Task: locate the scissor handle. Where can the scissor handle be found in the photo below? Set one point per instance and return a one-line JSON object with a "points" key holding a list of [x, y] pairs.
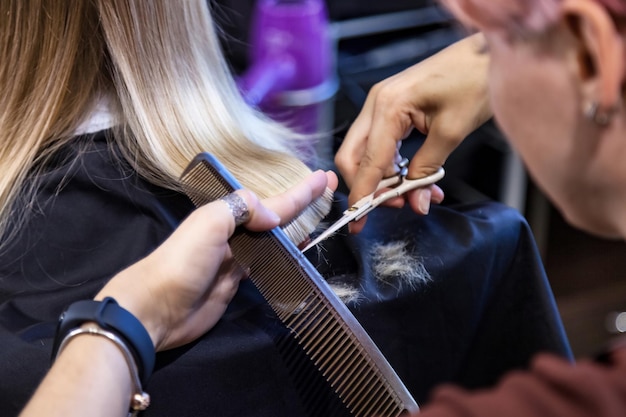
{"points": [[404, 186], [362, 207], [397, 178]]}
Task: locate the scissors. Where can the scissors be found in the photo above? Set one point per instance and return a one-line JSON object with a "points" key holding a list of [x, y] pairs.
{"points": [[398, 185]]}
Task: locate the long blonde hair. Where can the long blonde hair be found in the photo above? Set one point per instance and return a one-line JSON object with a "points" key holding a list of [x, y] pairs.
{"points": [[160, 65]]}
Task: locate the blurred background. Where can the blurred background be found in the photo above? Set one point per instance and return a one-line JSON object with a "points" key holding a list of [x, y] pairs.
{"points": [[312, 62]]}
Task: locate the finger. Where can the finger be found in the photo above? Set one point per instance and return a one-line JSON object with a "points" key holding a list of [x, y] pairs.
{"points": [[437, 195], [350, 153], [443, 137], [357, 226], [332, 179], [395, 202], [291, 203], [261, 218], [421, 199], [273, 211], [389, 125], [222, 216], [398, 202], [227, 283], [208, 308]]}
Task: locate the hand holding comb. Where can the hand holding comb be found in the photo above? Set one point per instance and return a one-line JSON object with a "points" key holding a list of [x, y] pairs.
{"points": [[325, 329]]}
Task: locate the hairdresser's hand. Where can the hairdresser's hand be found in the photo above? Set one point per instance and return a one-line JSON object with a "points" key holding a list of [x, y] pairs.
{"points": [[182, 289], [444, 97]]}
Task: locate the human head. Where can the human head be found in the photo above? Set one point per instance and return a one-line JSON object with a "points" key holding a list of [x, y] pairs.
{"points": [[552, 63]]}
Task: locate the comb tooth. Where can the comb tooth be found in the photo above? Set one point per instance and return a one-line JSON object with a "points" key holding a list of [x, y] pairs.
{"points": [[334, 352], [324, 342], [362, 392], [290, 297], [391, 409], [371, 401], [321, 325], [359, 386], [308, 304], [303, 321], [338, 361], [284, 291], [371, 395], [356, 380], [315, 393], [318, 341], [345, 383], [316, 345]]}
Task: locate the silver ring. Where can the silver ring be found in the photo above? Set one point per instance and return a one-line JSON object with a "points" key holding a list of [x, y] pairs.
{"points": [[238, 208]]}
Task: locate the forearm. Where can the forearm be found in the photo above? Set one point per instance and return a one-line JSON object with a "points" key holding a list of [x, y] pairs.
{"points": [[89, 377]]}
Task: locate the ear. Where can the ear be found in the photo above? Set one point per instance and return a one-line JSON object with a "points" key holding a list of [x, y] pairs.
{"points": [[601, 54]]}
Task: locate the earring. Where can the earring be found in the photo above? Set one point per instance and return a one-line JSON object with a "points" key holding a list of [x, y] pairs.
{"points": [[599, 116]]}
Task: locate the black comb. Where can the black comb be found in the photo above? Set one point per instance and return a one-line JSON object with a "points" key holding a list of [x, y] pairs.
{"points": [[323, 326]]}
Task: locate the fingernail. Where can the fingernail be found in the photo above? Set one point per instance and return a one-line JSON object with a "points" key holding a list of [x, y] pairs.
{"points": [[424, 201], [275, 217], [271, 215]]}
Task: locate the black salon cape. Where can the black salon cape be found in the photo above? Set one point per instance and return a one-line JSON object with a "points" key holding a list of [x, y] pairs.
{"points": [[487, 309]]}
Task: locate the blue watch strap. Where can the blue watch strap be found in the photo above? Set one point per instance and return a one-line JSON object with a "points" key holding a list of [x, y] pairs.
{"points": [[109, 315]]}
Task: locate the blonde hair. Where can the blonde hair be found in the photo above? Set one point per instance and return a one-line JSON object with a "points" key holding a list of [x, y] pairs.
{"points": [[395, 265], [159, 62]]}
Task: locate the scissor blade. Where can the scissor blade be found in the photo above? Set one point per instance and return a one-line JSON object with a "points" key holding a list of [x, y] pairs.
{"points": [[399, 185], [330, 231]]}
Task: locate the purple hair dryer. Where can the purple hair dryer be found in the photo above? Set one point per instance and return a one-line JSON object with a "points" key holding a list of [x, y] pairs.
{"points": [[291, 72]]}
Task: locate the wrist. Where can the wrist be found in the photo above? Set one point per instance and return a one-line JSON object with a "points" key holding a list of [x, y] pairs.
{"points": [[110, 317], [139, 400], [124, 291]]}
